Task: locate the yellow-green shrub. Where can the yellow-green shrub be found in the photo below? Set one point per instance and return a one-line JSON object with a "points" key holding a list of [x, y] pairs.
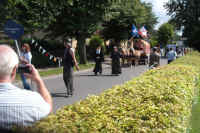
{"points": [[159, 101]]}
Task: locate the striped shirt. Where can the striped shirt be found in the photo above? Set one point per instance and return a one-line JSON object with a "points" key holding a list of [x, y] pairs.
{"points": [[20, 107]]}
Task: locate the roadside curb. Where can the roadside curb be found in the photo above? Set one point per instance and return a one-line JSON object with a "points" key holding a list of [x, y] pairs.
{"points": [[60, 75]]}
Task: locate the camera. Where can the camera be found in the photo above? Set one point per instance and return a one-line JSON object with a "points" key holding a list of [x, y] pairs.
{"points": [[23, 69]]}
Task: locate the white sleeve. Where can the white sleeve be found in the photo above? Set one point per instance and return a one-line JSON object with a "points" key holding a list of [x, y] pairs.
{"points": [[29, 57], [43, 108]]}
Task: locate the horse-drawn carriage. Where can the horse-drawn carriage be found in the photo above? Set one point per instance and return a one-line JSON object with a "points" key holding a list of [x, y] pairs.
{"points": [[136, 53]]}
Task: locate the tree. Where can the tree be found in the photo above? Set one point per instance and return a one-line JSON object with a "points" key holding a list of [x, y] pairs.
{"points": [[186, 15], [79, 19], [165, 34], [32, 14], [154, 41], [60, 18], [122, 15]]}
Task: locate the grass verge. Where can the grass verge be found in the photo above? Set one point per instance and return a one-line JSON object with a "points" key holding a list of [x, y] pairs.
{"points": [[59, 70], [195, 118]]}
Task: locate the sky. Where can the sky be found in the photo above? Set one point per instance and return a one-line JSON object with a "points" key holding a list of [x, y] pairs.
{"points": [[159, 11]]}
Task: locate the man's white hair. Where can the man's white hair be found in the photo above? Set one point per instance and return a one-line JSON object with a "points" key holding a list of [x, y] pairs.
{"points": [[8, 60]]}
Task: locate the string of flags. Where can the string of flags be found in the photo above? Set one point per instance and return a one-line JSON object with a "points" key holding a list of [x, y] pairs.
{"points": [[45, 52]]}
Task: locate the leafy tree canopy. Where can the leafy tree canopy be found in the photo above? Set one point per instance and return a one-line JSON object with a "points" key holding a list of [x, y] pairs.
{"points": [[186, 15], [165, 34], [121, 16]]}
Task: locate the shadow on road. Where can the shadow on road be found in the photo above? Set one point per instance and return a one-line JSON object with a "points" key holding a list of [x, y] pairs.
{"points": [[99, 75], [58, 94]]}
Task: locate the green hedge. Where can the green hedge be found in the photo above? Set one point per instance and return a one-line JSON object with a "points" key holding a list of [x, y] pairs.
{"points": [[159, 101]]}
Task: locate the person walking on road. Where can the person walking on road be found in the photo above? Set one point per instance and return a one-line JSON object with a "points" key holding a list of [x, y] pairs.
{"points": [[115, 56], [25, 58], [171, 55], [68, 63], [154, 58], [99, 58]]}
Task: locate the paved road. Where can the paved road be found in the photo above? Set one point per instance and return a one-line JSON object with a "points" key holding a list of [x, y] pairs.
{"points": [[85, 83]]}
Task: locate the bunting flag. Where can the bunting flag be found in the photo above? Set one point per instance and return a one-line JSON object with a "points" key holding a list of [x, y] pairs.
{"points": [[134, 31], [45, 53], [143, 32], [40, 48], [36, 44], [51, 57], [33, 41]]}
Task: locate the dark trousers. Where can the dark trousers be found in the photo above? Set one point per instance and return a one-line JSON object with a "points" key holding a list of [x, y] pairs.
{"points": [[98, 67], [169, 61], [68, 79], [25, 83]]}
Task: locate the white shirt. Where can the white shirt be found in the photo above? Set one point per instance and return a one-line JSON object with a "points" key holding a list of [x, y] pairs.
{"points": [[20, 107], [27, 56]]}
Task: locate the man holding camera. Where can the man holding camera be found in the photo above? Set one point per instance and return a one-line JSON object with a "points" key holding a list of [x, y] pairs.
{"points": [[19, 107]]}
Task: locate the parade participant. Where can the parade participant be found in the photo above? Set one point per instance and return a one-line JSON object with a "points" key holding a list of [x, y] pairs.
{"points": [[19, 107], [98, 58], [69, 62], [25, 58], [171, 55], [154, 60], [145, 46], [116, 67]]}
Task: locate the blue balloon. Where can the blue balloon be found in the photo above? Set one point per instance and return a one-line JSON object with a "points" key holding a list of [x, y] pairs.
{"points": [[13, 30]]}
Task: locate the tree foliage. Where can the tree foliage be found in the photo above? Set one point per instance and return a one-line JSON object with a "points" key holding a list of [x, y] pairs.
{"points": [[121, 16], [186, 14], [32, 14], [165, 34], [79, 18], [60, 18]]}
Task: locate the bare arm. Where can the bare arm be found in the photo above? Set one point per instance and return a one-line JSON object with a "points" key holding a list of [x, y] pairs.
{"points": [[34, 75], [23, 60]]}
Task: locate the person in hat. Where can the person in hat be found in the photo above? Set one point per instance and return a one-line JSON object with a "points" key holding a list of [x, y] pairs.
{"points": [[115, 56], [69, 62]]}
